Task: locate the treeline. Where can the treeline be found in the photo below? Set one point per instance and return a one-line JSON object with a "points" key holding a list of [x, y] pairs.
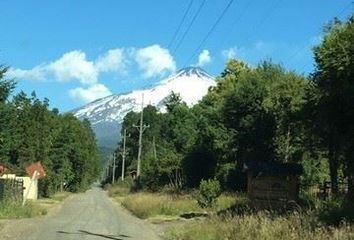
{"points": [[262, 113], [30, 132]]}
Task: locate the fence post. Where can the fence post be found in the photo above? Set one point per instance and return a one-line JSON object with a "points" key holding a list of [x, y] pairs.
{"points": [[324, 190]]}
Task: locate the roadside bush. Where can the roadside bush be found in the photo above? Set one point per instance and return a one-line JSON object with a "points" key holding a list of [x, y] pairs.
{"points": [[209, 191], [336, 211]]}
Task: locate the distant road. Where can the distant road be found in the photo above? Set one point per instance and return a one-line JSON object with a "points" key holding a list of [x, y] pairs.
{"points": [[90, 215]]}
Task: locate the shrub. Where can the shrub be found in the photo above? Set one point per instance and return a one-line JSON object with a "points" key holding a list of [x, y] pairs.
{"points": [[209, 191], [336, 211]]}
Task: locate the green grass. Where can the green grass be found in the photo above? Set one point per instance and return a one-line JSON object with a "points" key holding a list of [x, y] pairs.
{"points": [[119, 189], [60, 196], [40, 207], [149, 205], [234, 220], [262, 226], [11, 210]]}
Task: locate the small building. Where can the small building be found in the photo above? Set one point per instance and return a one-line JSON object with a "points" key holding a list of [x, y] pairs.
{"points": [[272, 184]]}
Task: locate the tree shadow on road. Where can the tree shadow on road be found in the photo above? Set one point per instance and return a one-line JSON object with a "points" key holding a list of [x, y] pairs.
{"points": [[84, 232]]}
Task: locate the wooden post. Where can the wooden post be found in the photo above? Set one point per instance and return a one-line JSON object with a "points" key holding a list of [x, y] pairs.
{"points": [[114, 168], [33, 178], [141, 128], [123, 156]]}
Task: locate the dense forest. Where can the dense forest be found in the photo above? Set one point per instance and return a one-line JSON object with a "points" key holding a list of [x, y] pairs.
{"points": [[31, 132], [256, 113]]}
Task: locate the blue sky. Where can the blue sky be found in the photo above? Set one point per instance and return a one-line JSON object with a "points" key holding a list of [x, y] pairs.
{"points": [[75, 51]]}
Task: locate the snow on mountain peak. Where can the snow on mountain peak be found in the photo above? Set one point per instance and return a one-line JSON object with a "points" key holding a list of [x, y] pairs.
{"points": [[192, 83]]}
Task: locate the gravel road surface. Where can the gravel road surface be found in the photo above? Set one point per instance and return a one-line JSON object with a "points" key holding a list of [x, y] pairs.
{"points": [[90, 215]]}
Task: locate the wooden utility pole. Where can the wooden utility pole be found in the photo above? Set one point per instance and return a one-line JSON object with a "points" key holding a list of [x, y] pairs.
{"points": [[141, 128], [124, 153], [154, 148], [114, 168]]}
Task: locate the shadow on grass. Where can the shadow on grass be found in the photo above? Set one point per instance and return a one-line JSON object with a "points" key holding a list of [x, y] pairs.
{"points": [[83, 232], [336, 212], [276, 209], [193, 215]]}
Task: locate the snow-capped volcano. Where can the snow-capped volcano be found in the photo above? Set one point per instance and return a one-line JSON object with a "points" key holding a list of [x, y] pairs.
{"points": [[191, 83]]}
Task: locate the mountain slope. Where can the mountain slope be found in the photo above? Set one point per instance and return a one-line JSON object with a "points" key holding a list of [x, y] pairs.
{"points": [[106, 114]]}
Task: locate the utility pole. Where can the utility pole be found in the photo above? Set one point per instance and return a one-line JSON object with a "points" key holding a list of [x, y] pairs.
{"points": [[142, 128], [124, 153], [154, 148], [107, 171], [114, 168]]}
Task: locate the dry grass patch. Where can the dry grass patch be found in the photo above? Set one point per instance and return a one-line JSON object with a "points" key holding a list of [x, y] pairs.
{"points": [[263, 226], [145, 205], [152, 205]]}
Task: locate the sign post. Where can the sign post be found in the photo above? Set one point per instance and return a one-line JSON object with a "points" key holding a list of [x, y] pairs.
{"points": [[33, 178], [35, 171]]}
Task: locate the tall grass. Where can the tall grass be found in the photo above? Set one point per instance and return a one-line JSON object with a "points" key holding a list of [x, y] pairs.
{"points": [[146, 205], [265, 226], [10, 210], [60, 196], [120, 188]]}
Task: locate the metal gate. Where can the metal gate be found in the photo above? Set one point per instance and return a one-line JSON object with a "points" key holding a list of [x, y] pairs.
{"points": [[11, 189]]}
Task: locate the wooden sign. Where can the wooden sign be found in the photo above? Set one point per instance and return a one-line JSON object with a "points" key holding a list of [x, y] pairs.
{"points": [[35, 168]]}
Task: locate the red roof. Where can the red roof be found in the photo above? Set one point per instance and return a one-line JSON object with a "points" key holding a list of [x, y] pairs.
{"points": [[3, 169], [30, 169]]}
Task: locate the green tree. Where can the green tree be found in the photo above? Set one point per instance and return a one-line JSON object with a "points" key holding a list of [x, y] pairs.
{"points": [[333, 78], [6, 85]]}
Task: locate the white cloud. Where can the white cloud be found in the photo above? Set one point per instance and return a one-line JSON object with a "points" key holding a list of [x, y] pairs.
{"points": [[154, 61], [113, 61], [89, 94], [37, 73], [74, 66], [204, 58], [234, 52]]}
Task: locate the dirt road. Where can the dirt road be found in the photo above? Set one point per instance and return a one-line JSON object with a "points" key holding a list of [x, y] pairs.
{"points": [[90, 215]]}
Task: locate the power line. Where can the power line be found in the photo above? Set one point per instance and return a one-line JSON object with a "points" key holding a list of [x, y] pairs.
{"points": [[232, 28], [306, 45], [309, 41], [211, 30], [189, 26], [264, 19], [180, 24]]}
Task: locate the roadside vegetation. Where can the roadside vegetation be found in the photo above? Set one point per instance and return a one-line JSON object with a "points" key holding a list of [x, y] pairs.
{"points": [[11, 210], [263, 225], [167, 205], [253, 114], [40, 207], [30, 131]]}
